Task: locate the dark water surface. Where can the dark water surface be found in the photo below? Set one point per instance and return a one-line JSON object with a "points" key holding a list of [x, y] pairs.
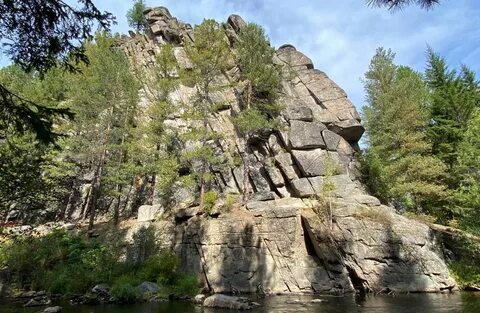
{"points": [[422, 303]]}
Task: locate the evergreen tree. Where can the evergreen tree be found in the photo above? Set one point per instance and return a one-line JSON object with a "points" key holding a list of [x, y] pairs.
{"points": [[135, 16], [399, 4], [56, 39], [24, 181], [104, 98], [467, 195], [156, 144], [261, 79], [399, 162], [210, 56], [453, 99]]}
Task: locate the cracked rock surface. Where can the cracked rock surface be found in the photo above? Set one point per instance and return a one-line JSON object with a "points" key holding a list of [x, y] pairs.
{"points": [[284, 240]]}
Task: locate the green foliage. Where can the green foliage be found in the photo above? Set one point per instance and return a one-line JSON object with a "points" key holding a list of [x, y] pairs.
{"points": [[210, 56], [56, 40], [211, 198], [400, 4], [465, 273], [421, 217], [467, 194], [230, 201], [261, 83], [186, 284], [124, 288], [454, 98], [65, 263], [135, 17], [465, 267], [144, 245], [399, 166], [162, 268], [251, 121], [255, 58], [61, 262]]}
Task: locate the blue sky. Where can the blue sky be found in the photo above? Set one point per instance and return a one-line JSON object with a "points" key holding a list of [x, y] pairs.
{"points": [[341, 36]]}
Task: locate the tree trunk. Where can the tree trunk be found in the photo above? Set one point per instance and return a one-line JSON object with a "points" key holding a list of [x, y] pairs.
{"points": [[67, 208], [116, 211], [87, 201], [96, 183], [246, 173], [202, 193]]}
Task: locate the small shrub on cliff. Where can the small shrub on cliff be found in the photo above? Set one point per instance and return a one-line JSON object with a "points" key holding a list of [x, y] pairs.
{"points": [[230, 201], [210, 200], [374, 214]]}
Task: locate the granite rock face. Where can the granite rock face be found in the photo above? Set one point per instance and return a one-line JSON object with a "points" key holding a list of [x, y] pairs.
{"points": [[311, 226]]}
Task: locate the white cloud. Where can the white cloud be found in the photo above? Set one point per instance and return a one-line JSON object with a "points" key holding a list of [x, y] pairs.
{"points": [[341, 36]]}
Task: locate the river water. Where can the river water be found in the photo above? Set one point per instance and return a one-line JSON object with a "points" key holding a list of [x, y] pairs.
{"points": [[412, 303]]}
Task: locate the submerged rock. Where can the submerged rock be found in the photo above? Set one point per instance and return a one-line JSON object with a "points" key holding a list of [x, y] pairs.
{"points": [[53, 309], [227, 302]]}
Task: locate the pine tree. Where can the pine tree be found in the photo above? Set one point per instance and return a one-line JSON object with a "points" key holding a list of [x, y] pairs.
{"points": [[156, 144], [467, 195], [104, 98], [24, 181], [399, 162], [56, 40], [210, 56], [453, 99], [261, 79], [135, 16], [400, 4]]}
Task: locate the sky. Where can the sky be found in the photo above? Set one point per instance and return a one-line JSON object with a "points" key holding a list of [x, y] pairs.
{"points": [[341, 36]]}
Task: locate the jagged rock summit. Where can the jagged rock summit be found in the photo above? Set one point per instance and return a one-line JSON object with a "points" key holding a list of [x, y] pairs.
{"points": [[285, 239]]}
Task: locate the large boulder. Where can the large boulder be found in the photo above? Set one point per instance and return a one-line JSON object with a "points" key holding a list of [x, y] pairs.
{"points": [[298, 112], [302, 188], [351, 130], [331, 140], [227, 302], [306, 135], [289, 55], [286, 165], [147, 288], [101, 289], [236, 22], [381, 251], [310, 162]]}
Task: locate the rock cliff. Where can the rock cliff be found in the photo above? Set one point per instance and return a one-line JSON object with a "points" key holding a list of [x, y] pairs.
{"points": [[294, 235]]}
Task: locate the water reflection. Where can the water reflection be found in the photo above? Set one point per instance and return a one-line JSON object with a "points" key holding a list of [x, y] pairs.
{"points": [[423, 303]]}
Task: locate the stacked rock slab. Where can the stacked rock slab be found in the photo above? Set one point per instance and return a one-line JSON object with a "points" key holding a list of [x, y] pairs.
{"points": [[279, 242]]}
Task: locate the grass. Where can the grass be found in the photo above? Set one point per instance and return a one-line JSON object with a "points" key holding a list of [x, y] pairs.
{"points": [[374, 214], [421, 217]]}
